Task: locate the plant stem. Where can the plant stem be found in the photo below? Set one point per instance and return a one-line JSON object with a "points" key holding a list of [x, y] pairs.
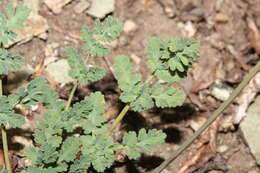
{"points": [[4, 138], [124, 111], [118, 119], [72, 92], [211, 119]]}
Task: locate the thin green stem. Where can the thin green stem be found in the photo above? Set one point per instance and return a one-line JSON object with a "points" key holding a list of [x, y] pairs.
{"points": [[210, 120], [4, 138], [123, 112], [72, 92], [118, 119]]}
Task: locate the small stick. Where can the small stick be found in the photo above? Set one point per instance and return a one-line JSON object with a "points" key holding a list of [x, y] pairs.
{"points": [[210, 120]]}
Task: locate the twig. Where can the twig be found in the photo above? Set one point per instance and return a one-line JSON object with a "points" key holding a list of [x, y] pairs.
{"points": [[211, 119], [75, 85], [118, 119]]}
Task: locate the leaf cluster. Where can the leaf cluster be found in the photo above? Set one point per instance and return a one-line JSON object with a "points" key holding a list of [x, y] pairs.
{"points": [[80, 71], [10, 20], [9, 62], [88, 146], [140, 95], [96, 41], [102, 34], [169, 59], [144, 141], [25, 97]]}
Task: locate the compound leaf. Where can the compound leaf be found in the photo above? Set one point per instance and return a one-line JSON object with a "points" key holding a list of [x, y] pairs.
{"points": [[108, 30], [7, 114], [169, 59], [146, 141], [9, 61], [80, 165], [100, 150], [79, 70], [12, 19], [168, 97], [69, 149], [87, 114], [103, 33]]}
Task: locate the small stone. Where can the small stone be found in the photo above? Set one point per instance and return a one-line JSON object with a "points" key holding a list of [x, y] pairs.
{"points": [[129, 26], [221, 90], [250, 128], [51, 49], [49, 60], [135, 58], [100, 8], [197, 123], [220, 17], [215, 171], [81, 6], [222, 148], [56, 5], [59, 71]]}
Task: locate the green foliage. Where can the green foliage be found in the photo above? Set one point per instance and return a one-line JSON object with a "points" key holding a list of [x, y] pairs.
{"points": [[169, 59], [138, 94], [11, 19], [73, 139], [103, 33], [134, 143], [79, 70], [36, 92], [1, 167], [8, 115], [167, 97], [100, 150], [9, 61], [87, 114]]}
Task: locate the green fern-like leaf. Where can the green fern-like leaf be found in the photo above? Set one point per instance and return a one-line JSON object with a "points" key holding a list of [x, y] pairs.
{"points": [[100, 150], [7, 114], [79, 70], [145, 141], [48, 130], [9, 62], [108, 30], [103, 33], [80, 165], [135, 93], [39, 91], [69, 149], [169, 59], [168, 97], [87, 114], [12, 19]]}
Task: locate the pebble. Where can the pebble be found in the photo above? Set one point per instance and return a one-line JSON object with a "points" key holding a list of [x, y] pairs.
{"points": [[81, 6], [222, 148], [220, 90], [220, 17], [101, 8], [129, 26], [215, 171], [59, 71], [250, 128], [197, 123], [56, 5]]}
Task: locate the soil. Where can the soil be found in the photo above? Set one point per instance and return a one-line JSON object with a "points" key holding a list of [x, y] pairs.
{"points": [[226, 55]]}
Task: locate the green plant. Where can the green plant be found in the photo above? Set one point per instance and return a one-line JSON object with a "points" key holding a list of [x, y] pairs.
{"points": [[72, 138], [10, 20]]}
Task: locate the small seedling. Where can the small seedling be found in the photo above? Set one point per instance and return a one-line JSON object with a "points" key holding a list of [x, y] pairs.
{"points": [[73, 138]]}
